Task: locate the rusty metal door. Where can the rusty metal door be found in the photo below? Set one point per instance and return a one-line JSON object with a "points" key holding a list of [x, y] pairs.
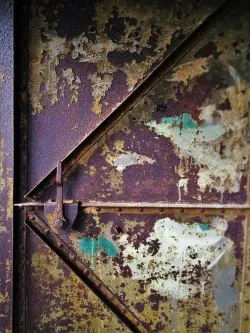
{"points": [[133, 167]]}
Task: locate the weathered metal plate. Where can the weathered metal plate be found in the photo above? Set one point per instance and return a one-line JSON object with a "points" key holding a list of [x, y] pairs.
{"points": [[85, 58], [177, 271], [6, 163], [58, 301], [186, 140]]}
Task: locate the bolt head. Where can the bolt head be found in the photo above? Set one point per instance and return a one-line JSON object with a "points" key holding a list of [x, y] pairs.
{"points": [[60, 224]]}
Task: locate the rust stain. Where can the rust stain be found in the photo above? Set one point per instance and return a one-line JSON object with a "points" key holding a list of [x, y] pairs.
{"points": [[2, 77], [9, 209], [85, 312], [2, 181], [122, 38], [100, 85], [210, 301], [189, 70]]}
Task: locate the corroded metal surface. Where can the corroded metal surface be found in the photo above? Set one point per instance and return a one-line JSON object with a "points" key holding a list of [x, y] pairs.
{"points": [[177, 272], [6, 163], [86, 58], [181, 143], [71, 307], [82, 270], [186, 140]]}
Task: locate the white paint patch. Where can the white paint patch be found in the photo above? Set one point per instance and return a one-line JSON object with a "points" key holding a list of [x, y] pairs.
{"points": [[203, 143], [183, 185], [122, 161], [184, 251]]}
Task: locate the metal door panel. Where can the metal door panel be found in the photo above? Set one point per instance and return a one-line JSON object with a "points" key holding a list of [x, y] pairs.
{"points": [[6, 163], [185, 141], [161, 186], [58, 301], [176, 269], [86, 58]]}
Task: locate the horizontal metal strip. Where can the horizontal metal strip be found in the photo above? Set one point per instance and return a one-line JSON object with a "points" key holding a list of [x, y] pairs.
{"points": [[150, 208], [138, 205]]}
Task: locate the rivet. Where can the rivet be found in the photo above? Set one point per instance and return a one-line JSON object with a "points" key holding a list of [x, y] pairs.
{"points": [[141, 209], [33, 218], [86, 271], [247, 301], [119, 209], [46, 232], [98, 209], [222, 210], [203, 210], [247, 283], [60, 245], [73, 258], [124, 310], [161, 209], [60, 224], [248, 266], [182, 210], [246, 318]]}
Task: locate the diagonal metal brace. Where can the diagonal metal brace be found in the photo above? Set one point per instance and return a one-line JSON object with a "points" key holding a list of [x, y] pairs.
{"points": [[88, 276]]}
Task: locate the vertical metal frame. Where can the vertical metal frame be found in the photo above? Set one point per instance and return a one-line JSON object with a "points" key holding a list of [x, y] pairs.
{"points": [[6, 162], [20, 163]]}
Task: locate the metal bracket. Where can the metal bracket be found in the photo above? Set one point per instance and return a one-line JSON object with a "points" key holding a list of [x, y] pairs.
{"points": [[62, 216]]}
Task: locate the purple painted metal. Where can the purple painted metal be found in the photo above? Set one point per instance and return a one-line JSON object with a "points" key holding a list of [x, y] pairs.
{"points": [[6, 163], [81, 71], [175, 145], [159, 269]]}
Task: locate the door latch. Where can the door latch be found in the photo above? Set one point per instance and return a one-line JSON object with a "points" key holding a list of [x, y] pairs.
{"points": [[61, 216], [60, 222]]}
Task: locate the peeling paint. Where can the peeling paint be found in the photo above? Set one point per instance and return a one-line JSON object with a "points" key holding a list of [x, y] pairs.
{"points": [[100, 85], [54, 284], [189, 70], [2, 180], [2, 77], [92, 246], [225, 294], [184, 256], [202, 142], [73, 82], [124, 160]]}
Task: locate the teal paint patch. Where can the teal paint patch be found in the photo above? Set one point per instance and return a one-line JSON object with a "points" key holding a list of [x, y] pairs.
{"points": [[92, 246], [184, 132], [184, 119], [204, 227], [88, 246]]}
